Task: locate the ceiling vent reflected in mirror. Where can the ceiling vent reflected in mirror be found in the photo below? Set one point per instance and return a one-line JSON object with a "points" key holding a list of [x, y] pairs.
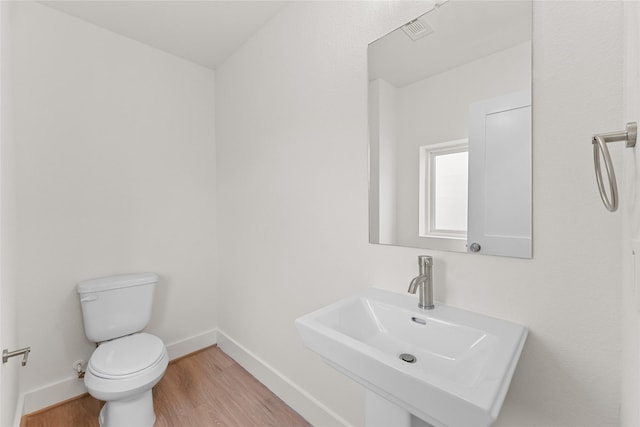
{"points": [[418, 28]]}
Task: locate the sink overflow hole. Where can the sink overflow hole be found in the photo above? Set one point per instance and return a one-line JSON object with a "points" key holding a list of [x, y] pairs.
{"points": [[409, 358], [419, 320]]}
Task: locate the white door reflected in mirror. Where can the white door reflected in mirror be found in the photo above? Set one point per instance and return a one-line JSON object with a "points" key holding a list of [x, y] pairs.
{"points": [[500, 175]]}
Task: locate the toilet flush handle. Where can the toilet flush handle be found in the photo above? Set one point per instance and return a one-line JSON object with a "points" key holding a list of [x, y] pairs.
{"points": [[88, 298]]}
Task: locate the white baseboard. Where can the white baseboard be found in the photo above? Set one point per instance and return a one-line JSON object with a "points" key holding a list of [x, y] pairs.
{"points": [[191, 344], [71, 387], [51, 394], [293, 395]]}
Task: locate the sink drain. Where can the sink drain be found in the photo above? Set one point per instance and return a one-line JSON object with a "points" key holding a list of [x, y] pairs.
{"points": [[409, 358]]}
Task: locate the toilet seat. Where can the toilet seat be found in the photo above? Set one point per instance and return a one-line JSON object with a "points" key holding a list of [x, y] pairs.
{"points": [[126, 357]]}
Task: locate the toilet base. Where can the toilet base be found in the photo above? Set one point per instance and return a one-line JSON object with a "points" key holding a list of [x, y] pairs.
{"points": [[137, 411]]}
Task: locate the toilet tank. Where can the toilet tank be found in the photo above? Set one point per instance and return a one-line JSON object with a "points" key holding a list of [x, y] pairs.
{"points": [[116, 306]]}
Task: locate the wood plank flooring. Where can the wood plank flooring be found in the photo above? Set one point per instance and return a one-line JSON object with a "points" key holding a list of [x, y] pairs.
{"points": [[206, 388]]}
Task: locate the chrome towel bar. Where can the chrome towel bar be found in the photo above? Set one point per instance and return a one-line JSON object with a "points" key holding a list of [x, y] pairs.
{"points": [[599, 141]]}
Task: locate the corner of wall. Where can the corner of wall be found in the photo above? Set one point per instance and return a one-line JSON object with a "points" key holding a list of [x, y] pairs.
{"points": [[292, 394]]}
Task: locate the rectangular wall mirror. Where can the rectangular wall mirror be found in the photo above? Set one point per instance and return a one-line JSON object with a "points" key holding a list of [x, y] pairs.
{"points": [[450, 130]]}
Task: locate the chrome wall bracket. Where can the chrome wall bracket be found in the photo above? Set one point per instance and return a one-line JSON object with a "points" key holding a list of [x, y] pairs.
{"points": [[600, 141], [24, 352]]}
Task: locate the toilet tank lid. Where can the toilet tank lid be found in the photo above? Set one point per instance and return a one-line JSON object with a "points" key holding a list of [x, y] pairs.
{"points": [[115, 282]]}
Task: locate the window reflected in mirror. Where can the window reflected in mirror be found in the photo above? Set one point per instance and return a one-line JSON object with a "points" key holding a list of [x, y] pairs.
{"points": [[443, 189]]}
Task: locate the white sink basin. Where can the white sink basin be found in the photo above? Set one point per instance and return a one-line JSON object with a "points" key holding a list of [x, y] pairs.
{"points": [[464, 364]]}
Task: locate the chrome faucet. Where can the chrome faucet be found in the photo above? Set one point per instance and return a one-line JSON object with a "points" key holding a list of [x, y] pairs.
{"points": [[424, 282]]}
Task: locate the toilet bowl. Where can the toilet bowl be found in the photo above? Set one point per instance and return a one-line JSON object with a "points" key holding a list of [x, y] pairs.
{"points": [[127, 363], [122, 373]]}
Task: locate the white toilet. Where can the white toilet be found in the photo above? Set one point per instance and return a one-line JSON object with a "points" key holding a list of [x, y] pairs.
{"points": [[127, 362]]}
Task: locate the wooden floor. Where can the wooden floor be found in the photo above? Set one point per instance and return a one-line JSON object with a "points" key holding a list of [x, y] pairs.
{"points": [[206, 388]]}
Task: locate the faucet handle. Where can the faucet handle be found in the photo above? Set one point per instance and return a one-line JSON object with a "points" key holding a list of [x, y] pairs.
{"points": [[424, 263], [425, 258]]}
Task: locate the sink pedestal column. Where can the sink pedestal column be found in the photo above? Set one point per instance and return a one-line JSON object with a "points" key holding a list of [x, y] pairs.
{"points": [[382, 413]]}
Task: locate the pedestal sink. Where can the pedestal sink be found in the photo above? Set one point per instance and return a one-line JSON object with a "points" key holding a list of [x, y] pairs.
{"points": [[446, 366]]}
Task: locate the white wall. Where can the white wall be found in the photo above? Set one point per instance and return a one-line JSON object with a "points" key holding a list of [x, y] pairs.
{"points": [[291, 132], [629, 213], [436, 109], [8, 315], [382, 161], [115, 173]]}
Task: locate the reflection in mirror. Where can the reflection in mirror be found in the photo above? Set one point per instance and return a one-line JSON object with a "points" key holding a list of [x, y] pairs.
{"points": [[443, 189], [450, 130]]}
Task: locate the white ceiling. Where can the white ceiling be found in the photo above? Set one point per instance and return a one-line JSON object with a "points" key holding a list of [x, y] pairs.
{"points": [[204, 31], [207, 32], [464, 31]]}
